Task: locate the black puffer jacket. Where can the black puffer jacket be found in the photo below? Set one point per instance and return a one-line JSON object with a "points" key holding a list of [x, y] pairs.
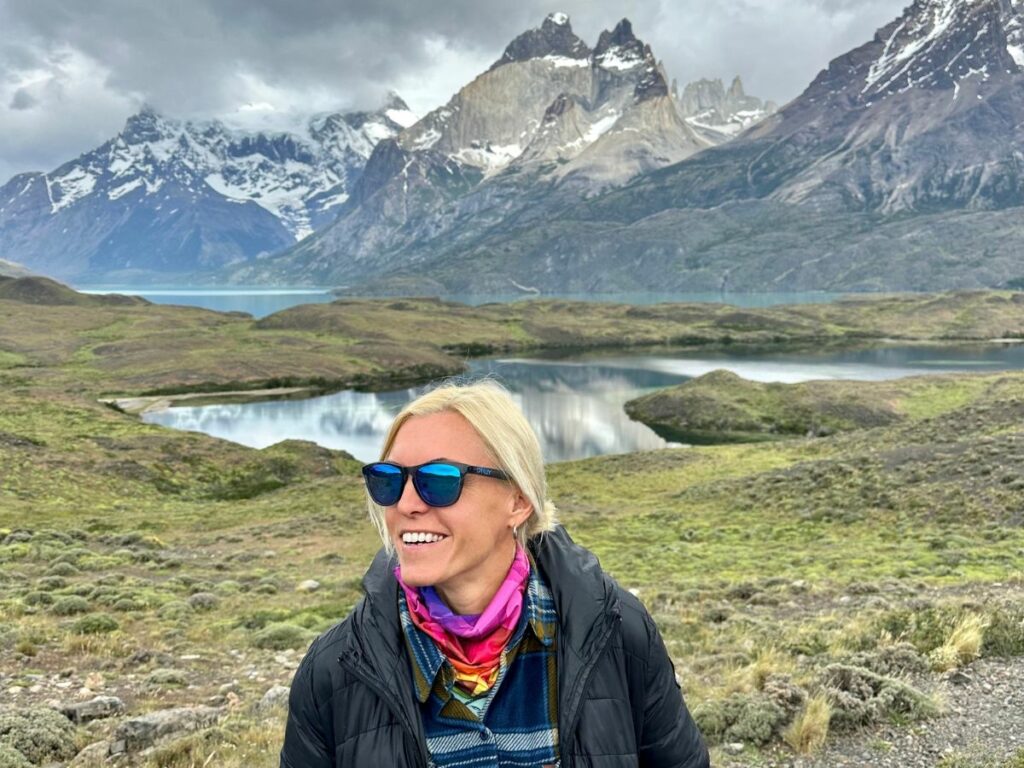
{"points": [[352, 702]]}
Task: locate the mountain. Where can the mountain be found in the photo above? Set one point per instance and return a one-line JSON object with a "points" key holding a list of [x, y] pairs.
{"points": [[166, 197], [900, 167], [718, 114], [550, 122]]}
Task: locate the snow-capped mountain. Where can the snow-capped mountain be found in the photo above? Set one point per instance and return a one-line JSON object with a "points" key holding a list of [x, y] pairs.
{"points": [[900, 167], [170, 196], [717, 114], [551, 120]]}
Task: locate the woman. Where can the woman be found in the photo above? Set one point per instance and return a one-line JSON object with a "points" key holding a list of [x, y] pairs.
{"points": [[486, 636]]}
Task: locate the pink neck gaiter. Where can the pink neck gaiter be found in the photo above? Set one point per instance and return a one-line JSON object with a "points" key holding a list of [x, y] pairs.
{"points": [[473, 644]]}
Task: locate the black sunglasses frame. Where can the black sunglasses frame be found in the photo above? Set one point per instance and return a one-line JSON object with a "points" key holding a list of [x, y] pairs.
{"points": [[413, 471]]}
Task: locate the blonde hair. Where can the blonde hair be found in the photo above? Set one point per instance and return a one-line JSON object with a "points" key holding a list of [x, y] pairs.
{"points": [[507, 435]]}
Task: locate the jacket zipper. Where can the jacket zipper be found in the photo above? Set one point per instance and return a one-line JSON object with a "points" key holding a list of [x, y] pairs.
{"points": [[382, 694], [600, 643]]}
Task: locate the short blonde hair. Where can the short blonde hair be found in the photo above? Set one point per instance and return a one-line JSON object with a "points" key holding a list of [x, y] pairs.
{"points": [[507, 435]]}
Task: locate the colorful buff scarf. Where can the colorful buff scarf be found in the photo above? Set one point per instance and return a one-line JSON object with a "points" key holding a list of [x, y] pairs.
{"points": [[472, 644]]}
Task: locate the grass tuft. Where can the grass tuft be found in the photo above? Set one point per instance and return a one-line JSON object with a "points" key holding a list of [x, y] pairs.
{"points": [[808, 731]]}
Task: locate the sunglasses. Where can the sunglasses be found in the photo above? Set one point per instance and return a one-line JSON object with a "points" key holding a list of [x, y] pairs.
{"points": [[438, 483]]}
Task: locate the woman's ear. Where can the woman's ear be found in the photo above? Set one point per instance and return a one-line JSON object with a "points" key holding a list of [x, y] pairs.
{"points": [[521, 509]]}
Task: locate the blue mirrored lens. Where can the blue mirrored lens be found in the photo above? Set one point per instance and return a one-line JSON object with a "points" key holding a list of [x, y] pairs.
{"points": [[384, 483], [438, 484]]}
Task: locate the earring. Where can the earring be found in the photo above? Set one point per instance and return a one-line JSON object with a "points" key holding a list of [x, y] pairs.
{"points": [[515, 531]]}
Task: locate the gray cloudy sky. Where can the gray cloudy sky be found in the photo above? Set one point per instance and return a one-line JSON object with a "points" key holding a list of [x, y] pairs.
{"points": [[72, 71]]}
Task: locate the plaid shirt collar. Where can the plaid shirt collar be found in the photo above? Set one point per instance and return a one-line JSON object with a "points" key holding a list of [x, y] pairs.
{"points": [[428, 661]]}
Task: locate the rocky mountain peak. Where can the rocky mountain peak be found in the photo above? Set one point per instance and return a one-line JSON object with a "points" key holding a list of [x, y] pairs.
{"points": [[144, 126], [621, 36], [553, 38], [394, 101], [619, 50], [934, 44], [736, 89]]}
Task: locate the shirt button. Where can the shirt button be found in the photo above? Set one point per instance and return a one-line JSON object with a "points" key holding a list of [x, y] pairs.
{"points": [[484, 735]]}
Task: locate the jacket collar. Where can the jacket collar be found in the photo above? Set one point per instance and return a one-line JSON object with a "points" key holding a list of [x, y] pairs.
{"points": [[584, 596]]}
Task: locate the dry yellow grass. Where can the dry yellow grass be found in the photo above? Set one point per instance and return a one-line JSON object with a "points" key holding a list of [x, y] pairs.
{"points": [[767, 661], [963, 644], [808, 731]]}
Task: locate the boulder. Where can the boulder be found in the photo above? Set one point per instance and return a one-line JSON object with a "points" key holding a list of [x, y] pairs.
{"points": [[94, 709], [138, 733]]}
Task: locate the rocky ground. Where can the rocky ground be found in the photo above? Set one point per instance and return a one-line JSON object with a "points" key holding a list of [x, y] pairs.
{"points": [[982, 720]]}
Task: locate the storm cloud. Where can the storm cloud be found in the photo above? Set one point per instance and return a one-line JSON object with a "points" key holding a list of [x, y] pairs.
{"points": [[71, 72]]}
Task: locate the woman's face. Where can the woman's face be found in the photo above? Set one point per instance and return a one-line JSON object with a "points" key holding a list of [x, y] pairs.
{"points": [[471, 560]]}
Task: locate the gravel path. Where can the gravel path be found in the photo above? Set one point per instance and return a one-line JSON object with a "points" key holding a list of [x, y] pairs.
{"points": [[984, 718]]}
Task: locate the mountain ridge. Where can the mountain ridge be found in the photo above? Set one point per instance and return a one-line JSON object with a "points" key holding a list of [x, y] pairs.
{"points": [[171, 196]]}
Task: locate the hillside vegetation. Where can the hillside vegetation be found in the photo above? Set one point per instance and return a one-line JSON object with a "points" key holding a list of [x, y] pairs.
{"points": [[170, 569]]}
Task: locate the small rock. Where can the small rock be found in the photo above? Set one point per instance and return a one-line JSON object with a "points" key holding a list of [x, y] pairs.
{"points": [[309, 585], [95, 709], [276, 697], [231, 687], [959, 677], [141, 656], [733, 748], [165, 677]]}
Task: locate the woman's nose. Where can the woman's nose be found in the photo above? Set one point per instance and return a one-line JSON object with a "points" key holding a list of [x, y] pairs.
{"points": [[410, 500]]}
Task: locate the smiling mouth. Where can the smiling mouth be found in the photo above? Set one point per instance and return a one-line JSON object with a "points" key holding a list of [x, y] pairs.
{"points": [[416, 540]]}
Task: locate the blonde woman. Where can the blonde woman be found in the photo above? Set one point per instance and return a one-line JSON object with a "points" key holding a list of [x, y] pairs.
{"points": [[486, 636]]}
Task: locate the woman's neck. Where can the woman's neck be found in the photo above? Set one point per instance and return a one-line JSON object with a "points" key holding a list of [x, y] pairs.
{"points": [[472, 596]]}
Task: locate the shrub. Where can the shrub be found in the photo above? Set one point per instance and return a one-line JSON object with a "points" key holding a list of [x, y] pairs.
{"points": [[894, 659], [204, 601], [753, 719], [69, 606], [1005, 634], [62, 569], [12, 758], [38, 598], [280, 636], [51, 583], [807, 733], [176, 610], [228, 587], [128, 605], [858, 697], [41, 734], [95, 624]]}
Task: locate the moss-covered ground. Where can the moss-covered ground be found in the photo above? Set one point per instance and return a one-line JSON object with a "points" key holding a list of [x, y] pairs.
{"points": [[127, 549]]}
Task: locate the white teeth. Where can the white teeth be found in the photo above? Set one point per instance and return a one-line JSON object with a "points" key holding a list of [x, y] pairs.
{"points": [[420, 537]]}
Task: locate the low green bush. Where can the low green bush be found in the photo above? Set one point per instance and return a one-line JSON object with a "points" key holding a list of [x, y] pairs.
{"points": [[70, 606], [280, 636], [95, 624]]}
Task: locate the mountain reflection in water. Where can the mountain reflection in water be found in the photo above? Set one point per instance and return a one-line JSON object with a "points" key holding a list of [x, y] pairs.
{"points": [[574, 405]]}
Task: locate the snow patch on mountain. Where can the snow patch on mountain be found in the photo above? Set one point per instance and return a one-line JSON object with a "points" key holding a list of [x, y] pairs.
{"points": [[620, 59], [916, 34], [67, 189]]}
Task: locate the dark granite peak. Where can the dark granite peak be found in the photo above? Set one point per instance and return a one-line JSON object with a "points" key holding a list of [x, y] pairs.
{"points": [[554, 37]]}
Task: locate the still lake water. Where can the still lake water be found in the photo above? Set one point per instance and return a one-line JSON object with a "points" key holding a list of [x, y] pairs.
{"points": [[260, 302], [574, 404]]}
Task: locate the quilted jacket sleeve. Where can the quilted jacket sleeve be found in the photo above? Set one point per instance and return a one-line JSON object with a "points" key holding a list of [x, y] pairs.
{"points": [[669, 738], [305, 744]]}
